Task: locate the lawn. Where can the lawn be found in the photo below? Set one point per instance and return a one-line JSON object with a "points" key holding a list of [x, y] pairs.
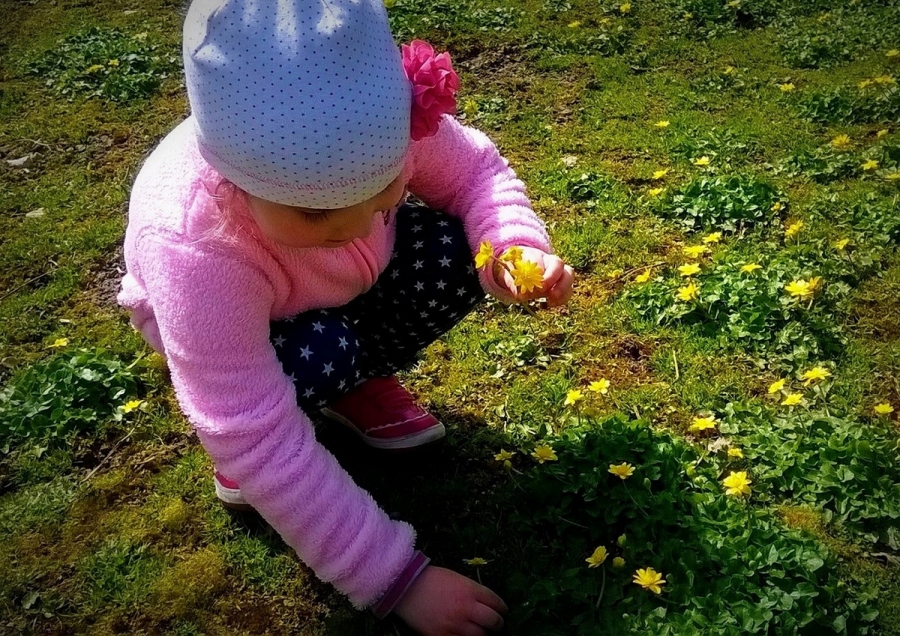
{"points": [[718, 402]]}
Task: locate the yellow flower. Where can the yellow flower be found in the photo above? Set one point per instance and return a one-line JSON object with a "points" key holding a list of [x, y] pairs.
{"points": [[883, 409], [659, 174], [662, 124], [884, 79], [544, 453], [113, 63], [504, 455], [776, 386], [703, 423], [484, 255], [512, 255], [729, 70], [749, 268], [622, 471], [60, 342], [787, 87], [814, 283], [841, 141], [864, 84], [131, 405], [618, 563], [695, 251], [893, 176], [575, 24], [600, 386], [793, 399], [841, 244], [94, 68], [643, 278], [881, 133], [871, 164], [734, 4], [476, 561], [625, 8], [892, 53], [688, 292], [793, 229], [689, 270], [737, 484], [816, 373], [736, 452], [799, 288], [655, 192], [573, 396], [527, 276], [649, 579], [597, 558], [702, 161], [687, 15], [776, 207], [715, 237]]}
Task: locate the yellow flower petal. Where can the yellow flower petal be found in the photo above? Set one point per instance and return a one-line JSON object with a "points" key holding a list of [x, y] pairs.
{"points": [[659, 174], [643, 278], [793, 399], [662, 124], [688, 292], [695, 251], [776, 386], [131, 405], [60, 342], [787, 87], [597, 558], [749, 268], [871, 164], [573, 396], [737, 484], [600, 386], [736, 453], [714, 237], [702, 161], [504, 455], [649, 579], [689, 270], [883, 409], [485, 254], [703, 423], [527, 276], [544, 453], [622, 471]]}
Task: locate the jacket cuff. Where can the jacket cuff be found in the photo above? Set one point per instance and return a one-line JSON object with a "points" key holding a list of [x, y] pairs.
{"points": [[398, 589]]}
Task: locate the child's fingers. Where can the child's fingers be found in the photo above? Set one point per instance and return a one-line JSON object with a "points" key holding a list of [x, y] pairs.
{"points": [[487, 617], [562, 291], [554, 269], [486, 596]]}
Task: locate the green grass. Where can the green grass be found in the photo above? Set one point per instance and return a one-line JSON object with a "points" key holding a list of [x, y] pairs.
{"points": [[117, 529]]}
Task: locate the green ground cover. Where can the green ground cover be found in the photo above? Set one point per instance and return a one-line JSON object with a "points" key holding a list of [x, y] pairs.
{"points": [[724, 176]]}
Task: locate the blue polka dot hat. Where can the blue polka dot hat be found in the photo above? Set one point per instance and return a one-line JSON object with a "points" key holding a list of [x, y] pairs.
{"points": [[299, 102]]}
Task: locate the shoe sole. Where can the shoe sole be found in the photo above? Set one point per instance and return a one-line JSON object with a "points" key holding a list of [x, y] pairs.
{"points": [[395, 443], [231, 498]]}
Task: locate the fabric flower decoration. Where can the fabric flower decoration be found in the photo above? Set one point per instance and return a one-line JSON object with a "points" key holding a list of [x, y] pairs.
{"points": [[434, 87]]}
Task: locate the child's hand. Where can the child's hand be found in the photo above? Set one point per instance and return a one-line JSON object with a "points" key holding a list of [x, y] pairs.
{"points": [[442, 602], [556, 285]]}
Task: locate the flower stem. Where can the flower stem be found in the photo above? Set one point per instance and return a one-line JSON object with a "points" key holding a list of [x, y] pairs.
{"points": [[646, 516], [602, 589]]}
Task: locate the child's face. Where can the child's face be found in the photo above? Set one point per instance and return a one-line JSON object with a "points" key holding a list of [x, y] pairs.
{"points": [[303, 227]]}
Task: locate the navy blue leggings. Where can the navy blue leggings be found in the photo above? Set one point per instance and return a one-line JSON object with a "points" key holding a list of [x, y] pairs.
{"points": [[429, 285]]}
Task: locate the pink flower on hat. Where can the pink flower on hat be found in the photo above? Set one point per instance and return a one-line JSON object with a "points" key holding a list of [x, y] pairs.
{"points": [[434, 87]]}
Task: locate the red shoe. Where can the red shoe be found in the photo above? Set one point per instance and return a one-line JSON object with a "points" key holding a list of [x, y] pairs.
{"points": [[385, 415], [229, 494]]}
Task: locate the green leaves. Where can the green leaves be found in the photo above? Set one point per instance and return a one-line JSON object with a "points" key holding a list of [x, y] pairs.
{"points": [[724, 203]]}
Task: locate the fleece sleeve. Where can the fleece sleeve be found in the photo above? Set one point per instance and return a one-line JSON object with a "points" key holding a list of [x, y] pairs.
{"points": [[213, 318], [460, 171]]}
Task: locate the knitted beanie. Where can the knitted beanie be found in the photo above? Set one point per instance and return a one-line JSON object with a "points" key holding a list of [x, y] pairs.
{"points": [[299, 102]]}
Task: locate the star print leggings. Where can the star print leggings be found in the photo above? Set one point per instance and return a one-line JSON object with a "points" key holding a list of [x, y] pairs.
{"points": [[429, 285]]}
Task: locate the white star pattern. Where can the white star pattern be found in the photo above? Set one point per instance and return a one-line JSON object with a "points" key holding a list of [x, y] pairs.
{"points": [[443, 223], [446, 239], [319, 327], [419, 264], [445, 262], [342, 385], [423, 314], [278, 340], [308, 393], [441, 284], [395, 273], [305, 352], [418, 245], [420, 286], [329, 369], [432, 303], [417, 228], [461, 291], [342, 343]]}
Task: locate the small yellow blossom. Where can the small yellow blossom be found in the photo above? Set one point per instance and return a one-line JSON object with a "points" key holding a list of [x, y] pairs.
{"points": [[625, 8], [655, 192], [659, 174], [601, 386], [737, 484], [864, 84], [871, 164], [131, 405], [777, 206], [824, 17], [776, 386], [814, 283], [504, 455], [649, 579], [703, 423], [689, 270], [799, 288], [60, 342], [883, 409], [892, 53], [113, 63], [618, 563], [734, 4], [622, 540], [512, 255], [695, 251], [714, 237], [573, 396], [702, 161], [884, 79], [749, 268], [893, 176], [787, 87], [527, 276], [470, 108], [688, 292], [575, 24], [814, 374], [881, 133], [662, 123], [841, 141], [687, 15], [643, 278], [94, 69], [792, 400], [544, 453], [597, 558], [622, 471], [793, 229], [484, 255], [841, 244], [476, 561], [737, 453]]}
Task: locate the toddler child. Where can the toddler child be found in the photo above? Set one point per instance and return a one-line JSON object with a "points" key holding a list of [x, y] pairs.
{"points": [[273, 260]]}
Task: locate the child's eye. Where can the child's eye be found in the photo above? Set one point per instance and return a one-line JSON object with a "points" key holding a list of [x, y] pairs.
{"points": [[316, 217]]}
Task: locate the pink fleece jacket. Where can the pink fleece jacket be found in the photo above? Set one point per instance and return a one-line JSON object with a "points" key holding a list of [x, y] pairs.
{"points": [[203, 290]]}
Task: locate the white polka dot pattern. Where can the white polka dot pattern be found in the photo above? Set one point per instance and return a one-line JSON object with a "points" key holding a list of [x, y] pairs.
{"points": [[301, 102]]}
